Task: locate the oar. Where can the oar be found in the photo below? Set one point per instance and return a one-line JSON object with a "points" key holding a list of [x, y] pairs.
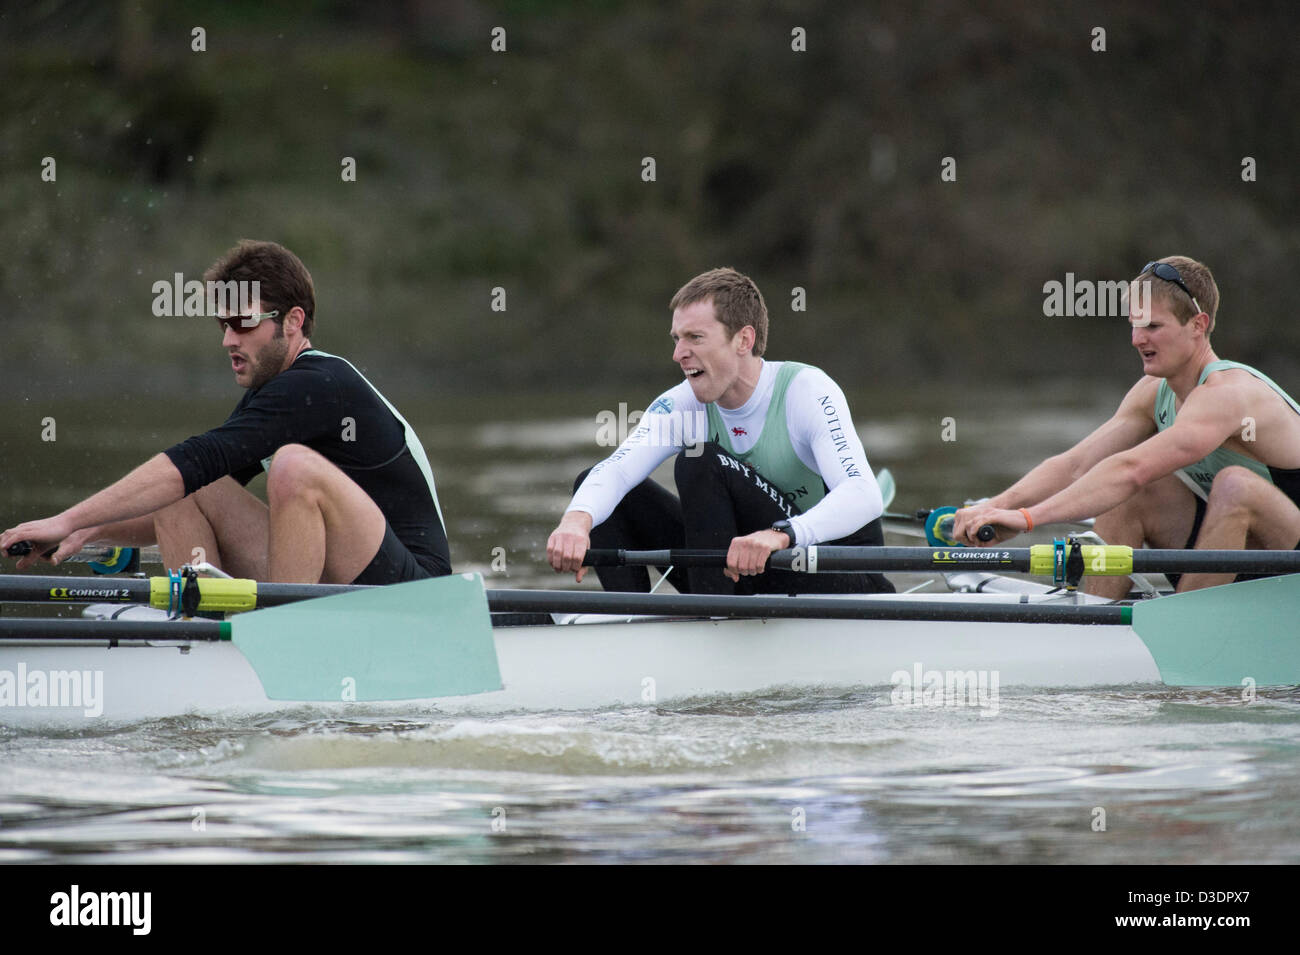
{"points": [[103, 559], [1225, 636], [1220, 636], [811, 608], [232, 596], [223, 595], [1100, 560], [420, 639], [938, 528], [217, 594], [935, 525], [888, 487], [416, 640]]}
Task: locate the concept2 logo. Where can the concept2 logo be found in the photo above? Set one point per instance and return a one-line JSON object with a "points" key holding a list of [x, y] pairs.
{"points": [[81, 593]]}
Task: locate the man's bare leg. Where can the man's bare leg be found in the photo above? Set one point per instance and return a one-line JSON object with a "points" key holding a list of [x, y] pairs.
{"points": [[324, 528], [1244, 510], [1161, 515], [221, 523]]}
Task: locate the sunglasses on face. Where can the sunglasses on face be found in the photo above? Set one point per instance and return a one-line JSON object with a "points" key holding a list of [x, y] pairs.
{"points": [[1163, 270], [244, 323]]}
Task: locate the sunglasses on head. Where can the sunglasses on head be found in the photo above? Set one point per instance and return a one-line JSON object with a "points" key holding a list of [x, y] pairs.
{"points": [[1163, 270], [244, 323]]}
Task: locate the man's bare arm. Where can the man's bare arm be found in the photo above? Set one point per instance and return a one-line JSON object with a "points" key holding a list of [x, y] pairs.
{"points": [[1208, 417], [1131, 424], [151, 486], [1203, 424], [135, 532]]}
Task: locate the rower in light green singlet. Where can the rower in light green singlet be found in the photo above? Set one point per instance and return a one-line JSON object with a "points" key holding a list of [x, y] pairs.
{"points": [[1230, 429]]}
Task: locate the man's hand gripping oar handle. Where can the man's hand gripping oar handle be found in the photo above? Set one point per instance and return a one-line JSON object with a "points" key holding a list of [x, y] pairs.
{"points": [[938, 528], [23, 548], [104, 559]]}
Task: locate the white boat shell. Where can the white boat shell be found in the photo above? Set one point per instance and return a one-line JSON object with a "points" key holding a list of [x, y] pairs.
{"points": [[591, 662]]}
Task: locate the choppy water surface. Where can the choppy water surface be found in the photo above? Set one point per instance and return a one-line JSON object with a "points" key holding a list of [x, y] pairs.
{"points": [[788, 777], [795, 775]]}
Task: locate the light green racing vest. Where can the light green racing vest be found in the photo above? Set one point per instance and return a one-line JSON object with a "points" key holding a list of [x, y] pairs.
{"points": [[1204, 470], [773, 455]]}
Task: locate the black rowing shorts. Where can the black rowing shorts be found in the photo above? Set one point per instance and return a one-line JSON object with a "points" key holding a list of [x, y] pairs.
{"points": [[393, 563]]}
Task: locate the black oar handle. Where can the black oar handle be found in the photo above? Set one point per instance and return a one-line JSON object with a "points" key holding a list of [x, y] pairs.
{"points": [[985, 533], [654, 558], [943, 530], [23, 548]]}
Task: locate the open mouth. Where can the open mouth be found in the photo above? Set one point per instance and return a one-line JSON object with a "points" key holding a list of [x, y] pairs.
{"points": [[238, 363], [693, 372]]}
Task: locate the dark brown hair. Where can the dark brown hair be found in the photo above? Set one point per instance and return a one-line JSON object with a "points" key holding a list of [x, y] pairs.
{"points": [[283, 279]]}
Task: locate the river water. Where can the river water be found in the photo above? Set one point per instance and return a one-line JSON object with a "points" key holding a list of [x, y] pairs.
{"points": [[831, 774]]}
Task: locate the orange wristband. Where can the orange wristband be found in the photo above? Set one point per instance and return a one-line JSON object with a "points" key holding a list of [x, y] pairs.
{"points": [[1028, 520]]}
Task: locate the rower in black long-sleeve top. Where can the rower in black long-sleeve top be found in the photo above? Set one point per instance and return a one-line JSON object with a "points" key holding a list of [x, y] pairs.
{"points": [[350, 493]]}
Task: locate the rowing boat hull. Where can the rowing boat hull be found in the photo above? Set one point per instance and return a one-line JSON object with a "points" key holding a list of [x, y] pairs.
{"points": [[703, 658], [606, 662]]}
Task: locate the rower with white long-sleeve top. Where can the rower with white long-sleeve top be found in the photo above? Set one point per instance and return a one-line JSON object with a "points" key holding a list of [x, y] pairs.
{"points": [[766, 458]]}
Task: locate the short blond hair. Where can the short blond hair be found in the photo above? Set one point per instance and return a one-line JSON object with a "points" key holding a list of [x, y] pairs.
{"points": [[1198, 279]]}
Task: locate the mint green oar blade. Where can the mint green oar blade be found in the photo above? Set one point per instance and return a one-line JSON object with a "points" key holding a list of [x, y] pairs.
{"points": [[408, 641], [888, 488], [1222, 635]]}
